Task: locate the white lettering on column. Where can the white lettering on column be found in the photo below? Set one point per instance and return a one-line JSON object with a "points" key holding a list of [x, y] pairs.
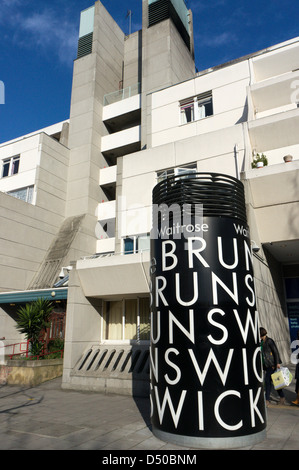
{"points": [[218, 325], [200, 411], [257, 352], [189, 334], [249, 321], [167, 399], [211, 358], [248, 255], [154, 367], [252, 301], [155, 340], [174, 366], [253, 407], [245, 366], [196, 251], [169, 254], [220, 254], [217, 414], [178, 290], [233, 294], [160, 289]]}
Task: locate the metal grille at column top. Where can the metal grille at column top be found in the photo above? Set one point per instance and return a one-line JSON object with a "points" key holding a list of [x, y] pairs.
{"points": [[220, 195]]}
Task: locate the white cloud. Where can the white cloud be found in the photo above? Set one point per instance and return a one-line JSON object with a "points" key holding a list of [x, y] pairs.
{"points": [[51, 32], [216, 40], [46, 30]]}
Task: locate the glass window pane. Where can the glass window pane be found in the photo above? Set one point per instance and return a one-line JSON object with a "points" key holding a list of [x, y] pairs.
{"points": [[113, 313], [188, 114], [15, 166], [143, 243], [131, 319], [5, 169], [187, 111], [25, 194], [128, 245], [19, 194], [30, 194], [205, 108], [144, 313]]}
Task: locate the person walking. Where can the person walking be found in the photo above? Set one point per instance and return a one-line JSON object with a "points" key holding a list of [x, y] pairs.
{"points": [[271, 362], [296, 402]]}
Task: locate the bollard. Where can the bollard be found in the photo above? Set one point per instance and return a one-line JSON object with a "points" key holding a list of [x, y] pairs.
{"points": [[206, 371]]}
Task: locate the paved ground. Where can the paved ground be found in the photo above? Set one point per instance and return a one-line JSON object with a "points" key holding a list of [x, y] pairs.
{"points": [[47, 417]]}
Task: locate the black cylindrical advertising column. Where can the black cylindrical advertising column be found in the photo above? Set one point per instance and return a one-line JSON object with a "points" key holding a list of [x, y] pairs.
{"points": [[206, 372]]}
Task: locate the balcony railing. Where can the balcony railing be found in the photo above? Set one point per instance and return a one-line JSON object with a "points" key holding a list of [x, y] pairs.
{"points": [[122, 94]]}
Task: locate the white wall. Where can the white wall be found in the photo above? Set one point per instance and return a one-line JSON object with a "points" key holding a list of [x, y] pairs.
{"points": [[211, 152], [29, 152], [229, 90]]}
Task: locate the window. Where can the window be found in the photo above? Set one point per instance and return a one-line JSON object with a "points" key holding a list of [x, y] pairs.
{"points": [[161, 175], [136, 244], [187, 111], [25, 194], [127, 319], [10, 166], [130, 245], [196, 108]]}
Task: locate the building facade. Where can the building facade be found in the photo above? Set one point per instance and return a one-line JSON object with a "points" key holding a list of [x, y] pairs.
{"points": [[78, 196]]}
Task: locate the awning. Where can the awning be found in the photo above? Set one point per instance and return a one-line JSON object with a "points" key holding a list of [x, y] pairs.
{"points": [[26, 296]]}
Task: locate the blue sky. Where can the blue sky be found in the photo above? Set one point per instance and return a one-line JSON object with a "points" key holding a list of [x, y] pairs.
{"points": [[39, 43]]}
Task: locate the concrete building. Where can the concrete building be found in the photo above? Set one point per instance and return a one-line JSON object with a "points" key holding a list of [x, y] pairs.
{"points": [[78, 195]]}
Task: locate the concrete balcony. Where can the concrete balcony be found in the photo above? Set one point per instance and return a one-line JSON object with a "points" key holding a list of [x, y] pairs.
{"points": [[120, 108], [107, 210], [121, 143], [274, 92], [277, 61], [106, 245], [108, 175], [117, 276], [124, 109], [275, 131], [272, 193], [121, 139]]}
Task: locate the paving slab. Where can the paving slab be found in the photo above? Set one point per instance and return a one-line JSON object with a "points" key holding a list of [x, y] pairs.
{"points": [[47, 417]]}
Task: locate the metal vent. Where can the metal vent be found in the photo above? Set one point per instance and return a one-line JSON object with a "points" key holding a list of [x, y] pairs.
{"points": [[158, 11], [220, 195], [85, 45], [161, 10]]}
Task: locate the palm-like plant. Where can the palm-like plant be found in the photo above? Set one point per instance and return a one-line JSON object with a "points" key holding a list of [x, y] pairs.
{"points": [[32, 319], [44, 308]]}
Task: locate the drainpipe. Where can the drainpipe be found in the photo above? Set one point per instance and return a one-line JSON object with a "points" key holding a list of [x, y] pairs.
{"points": [[236, 151]]}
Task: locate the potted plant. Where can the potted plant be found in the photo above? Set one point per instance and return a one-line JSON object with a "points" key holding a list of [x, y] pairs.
{"points": [[259, 161]]}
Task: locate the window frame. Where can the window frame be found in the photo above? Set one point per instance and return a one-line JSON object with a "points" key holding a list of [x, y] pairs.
{"points": [[135, 239], [176, 171], [199, 104], [123, 339], [28, 191], [12, 164]]}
